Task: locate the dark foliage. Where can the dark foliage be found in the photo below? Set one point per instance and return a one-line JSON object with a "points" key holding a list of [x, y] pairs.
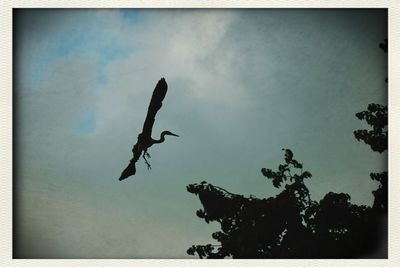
{"points": [[291, 225], [377, 117], [381, 194], [384, 45]]}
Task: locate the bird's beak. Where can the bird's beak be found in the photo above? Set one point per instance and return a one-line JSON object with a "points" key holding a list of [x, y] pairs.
{"points": [[174, 134]]}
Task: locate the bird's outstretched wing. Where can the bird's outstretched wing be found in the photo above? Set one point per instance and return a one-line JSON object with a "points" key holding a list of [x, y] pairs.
{"points": [[155, 104]]}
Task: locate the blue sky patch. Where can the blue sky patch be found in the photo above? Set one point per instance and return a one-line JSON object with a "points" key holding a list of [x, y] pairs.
{"points": [[86, 124], [133, 15], [106, 55], [84, 41]]}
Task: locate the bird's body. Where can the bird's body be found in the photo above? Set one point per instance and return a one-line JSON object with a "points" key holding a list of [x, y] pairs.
{"points": [[144, 139]]}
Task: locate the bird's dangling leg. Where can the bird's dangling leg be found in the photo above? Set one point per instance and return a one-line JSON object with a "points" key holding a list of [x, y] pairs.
{"points": [[145, 153]]}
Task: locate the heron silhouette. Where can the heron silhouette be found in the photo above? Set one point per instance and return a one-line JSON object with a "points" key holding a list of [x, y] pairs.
{"points": [[144, 139]]}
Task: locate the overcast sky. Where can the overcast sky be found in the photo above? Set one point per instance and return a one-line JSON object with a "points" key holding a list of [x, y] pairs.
{"points": [[242, 85]]}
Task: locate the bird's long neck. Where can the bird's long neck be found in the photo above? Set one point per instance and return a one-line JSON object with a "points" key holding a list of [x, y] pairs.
{"points": [[162, 138]]}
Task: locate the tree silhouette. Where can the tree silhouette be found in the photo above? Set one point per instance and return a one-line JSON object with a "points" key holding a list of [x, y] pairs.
{"points": [[376, 116], [291, 224]]}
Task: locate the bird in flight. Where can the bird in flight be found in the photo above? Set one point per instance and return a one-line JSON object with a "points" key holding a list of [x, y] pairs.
{"points": [[144, 140]]}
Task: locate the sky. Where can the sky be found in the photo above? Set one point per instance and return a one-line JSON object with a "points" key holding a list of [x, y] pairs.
{"points": [[242, 85]]}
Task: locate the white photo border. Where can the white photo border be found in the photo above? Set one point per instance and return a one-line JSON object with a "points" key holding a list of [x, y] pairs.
{"points": [[6, 235]]}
